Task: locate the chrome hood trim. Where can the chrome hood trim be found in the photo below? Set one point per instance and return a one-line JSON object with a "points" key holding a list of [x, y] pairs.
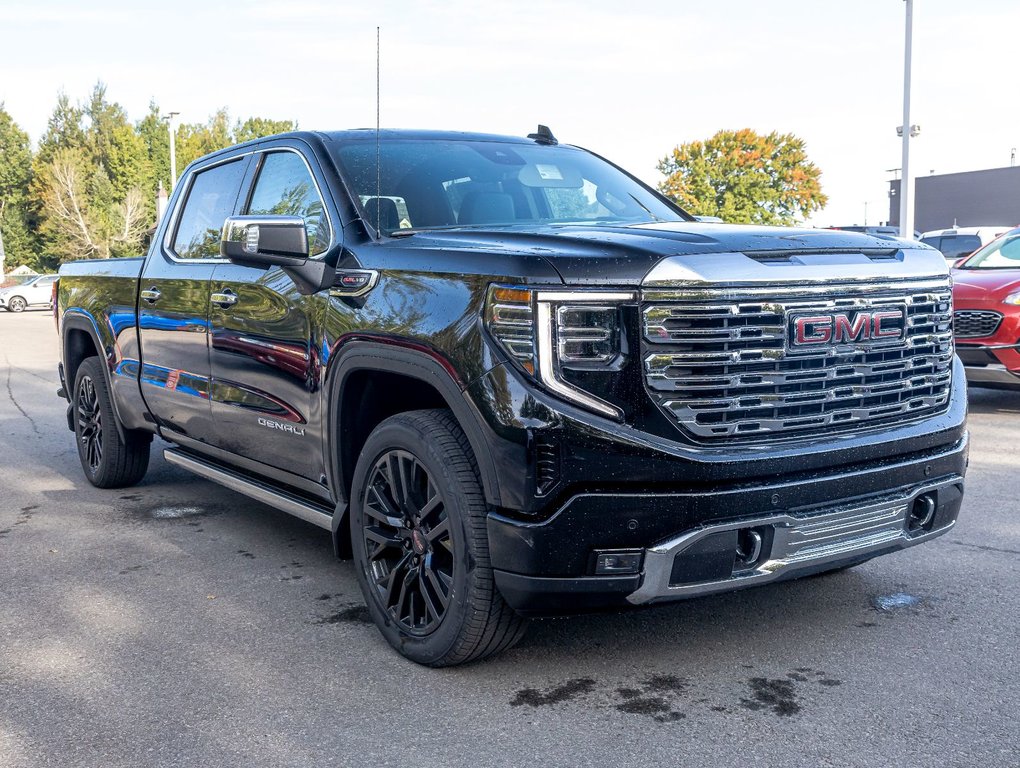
{"points": [[819, 268]]}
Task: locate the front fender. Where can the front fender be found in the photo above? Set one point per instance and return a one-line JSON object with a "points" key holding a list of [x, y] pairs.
{"points": [[413, 361]]}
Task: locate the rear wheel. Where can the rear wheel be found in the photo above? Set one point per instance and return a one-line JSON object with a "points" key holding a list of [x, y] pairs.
{"points": [[420, 546], [108, 461], [17, 304]]}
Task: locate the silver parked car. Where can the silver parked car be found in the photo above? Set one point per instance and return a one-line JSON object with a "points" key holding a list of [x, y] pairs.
{"points": [[37, 292]]}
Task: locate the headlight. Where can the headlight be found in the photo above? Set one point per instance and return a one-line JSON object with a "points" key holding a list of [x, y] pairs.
{"points": [[545, 332], [1013, 298]]}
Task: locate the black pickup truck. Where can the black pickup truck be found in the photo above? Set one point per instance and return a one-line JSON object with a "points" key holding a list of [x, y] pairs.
{"points": [[512, 380]]}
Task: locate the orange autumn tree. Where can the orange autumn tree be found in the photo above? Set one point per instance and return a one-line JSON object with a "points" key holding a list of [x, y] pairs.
{"points": [[744, 178]]}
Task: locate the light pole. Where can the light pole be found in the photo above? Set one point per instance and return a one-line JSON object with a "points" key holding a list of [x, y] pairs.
{"points": [[171, 124], [907, 131]]}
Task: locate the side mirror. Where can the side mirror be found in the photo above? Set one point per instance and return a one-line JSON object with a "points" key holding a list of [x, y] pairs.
{"points": [[265, 241]]}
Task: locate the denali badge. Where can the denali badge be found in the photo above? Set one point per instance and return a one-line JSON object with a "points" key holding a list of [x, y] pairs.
{"points": [[281, 426], [864, 327]]}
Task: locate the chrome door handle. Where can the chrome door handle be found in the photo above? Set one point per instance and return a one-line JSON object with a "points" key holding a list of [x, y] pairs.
{"points": [[150, 295], [224, 299]]}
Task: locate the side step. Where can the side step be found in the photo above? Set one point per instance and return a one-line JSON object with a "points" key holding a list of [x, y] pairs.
{"points": [[282, 500]]}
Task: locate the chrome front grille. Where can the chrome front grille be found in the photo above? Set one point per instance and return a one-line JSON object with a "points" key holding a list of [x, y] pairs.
{"points": [[975, 323], [718, 361]]}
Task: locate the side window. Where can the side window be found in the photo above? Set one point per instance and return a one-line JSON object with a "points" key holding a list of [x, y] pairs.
{"points": [[210, 201], [285, 188]]}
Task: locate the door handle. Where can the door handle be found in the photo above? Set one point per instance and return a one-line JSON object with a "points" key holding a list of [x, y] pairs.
{"points": [[150, 295], [224, 299]]}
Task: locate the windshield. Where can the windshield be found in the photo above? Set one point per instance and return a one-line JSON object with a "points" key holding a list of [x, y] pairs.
{"points": [[1003, 253], [433, 183]]}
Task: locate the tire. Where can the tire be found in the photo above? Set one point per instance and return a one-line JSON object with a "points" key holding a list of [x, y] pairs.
{"points": [[107, 460], [417, 504], [17, 304]]}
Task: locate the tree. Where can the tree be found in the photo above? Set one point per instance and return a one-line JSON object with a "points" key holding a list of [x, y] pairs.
{"points": [[197, 139], [17, 242], [260, 127], [90, 189], [744, 178], [152, 129]]}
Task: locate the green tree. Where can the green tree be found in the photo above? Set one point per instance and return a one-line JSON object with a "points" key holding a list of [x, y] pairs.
{"points": [[152, 129], [744, 177], [197, 139], [17, 240], [63, 130], [260, 127], [91, 183]]}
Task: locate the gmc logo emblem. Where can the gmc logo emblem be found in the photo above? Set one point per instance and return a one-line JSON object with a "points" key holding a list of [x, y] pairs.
{"points": [[862, 327]]}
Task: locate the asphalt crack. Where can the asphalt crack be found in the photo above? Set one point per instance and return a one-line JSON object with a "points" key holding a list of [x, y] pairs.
{"points": [[14, 400]]}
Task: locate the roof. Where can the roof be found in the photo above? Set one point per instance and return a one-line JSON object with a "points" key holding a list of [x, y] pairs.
{"points": [[388, 134]]}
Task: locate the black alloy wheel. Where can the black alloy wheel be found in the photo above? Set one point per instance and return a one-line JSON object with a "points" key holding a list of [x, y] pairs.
{"points": [[419, 537], [111, 456], [407, 541], [90, 424]]}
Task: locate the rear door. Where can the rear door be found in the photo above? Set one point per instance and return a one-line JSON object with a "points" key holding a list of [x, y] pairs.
{"points": [[264, 359], [173, 305]]}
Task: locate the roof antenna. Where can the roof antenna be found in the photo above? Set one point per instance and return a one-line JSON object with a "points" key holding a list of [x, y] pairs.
{"points": [[543, 135], [378, 171]]}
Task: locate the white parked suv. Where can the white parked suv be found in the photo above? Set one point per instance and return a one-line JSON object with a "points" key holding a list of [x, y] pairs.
{"points": [[37, 292], [957, 242]]}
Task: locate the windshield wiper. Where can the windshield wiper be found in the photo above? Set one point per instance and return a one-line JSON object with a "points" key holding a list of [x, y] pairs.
{"points": [[645, 208]]}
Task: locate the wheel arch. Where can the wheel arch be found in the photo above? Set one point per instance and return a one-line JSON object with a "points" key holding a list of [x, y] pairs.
{"points": [[373, 380], [80, 339]]}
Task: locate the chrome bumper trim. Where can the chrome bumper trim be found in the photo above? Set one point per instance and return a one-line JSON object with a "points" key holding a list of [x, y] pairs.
{"points": [[800, 542]]}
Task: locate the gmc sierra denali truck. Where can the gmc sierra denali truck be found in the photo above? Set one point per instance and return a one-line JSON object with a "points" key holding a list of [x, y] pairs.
{"points": [[512, 380]]}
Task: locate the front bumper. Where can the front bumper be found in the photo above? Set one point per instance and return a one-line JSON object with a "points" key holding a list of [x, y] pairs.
{"points": [[805, 525], [991, 365]]}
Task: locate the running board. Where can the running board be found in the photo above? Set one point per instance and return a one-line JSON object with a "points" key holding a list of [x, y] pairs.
{"points": [[281, 500]]}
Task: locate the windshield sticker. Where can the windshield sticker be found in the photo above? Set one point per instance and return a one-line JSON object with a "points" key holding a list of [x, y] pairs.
{"points": [[549, 172]]}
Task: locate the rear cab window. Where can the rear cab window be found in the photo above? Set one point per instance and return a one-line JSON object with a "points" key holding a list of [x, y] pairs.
{"points": [[954, 246], [211, 199]]}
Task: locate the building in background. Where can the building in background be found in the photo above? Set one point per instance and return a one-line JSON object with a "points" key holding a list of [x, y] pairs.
{"points": [[969, 199]]}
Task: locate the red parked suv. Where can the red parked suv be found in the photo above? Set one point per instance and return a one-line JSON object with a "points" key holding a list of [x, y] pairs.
{"points": [[986, 320]]}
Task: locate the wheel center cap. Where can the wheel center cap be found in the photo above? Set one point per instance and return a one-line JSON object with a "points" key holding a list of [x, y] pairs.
{"points": [[418, 542]]}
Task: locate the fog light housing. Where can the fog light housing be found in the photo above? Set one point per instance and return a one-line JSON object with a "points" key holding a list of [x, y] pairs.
{"points": [[615, 562]]}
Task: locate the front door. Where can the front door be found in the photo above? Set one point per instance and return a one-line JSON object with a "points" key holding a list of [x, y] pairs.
{"points": [[264, 358], [173, 304]]}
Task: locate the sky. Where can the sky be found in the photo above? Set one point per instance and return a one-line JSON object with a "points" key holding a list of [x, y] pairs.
{"points": [[629, 80]]}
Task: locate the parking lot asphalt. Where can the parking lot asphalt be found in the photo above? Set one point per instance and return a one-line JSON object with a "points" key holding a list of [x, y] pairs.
{"points": [[180, 624]]}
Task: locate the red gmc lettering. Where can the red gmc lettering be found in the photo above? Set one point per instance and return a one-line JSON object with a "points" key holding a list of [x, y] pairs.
{"points": [[878, 332], [813, 330], [855, 331]]}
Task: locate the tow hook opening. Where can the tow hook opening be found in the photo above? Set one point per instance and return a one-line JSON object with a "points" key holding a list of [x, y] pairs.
{"points": [[922, 513], [750, 548]]}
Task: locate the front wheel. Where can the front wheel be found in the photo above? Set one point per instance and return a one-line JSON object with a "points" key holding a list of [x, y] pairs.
{"points": [[108, 460], [17, 304], [421, 551]]}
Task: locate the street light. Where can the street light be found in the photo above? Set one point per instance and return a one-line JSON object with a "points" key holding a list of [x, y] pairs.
{"points": [[171, 124], [907, 131]]}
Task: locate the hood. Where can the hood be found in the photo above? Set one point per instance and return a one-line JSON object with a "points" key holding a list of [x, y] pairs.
{"points": [[984, 284], [625, 254]]}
